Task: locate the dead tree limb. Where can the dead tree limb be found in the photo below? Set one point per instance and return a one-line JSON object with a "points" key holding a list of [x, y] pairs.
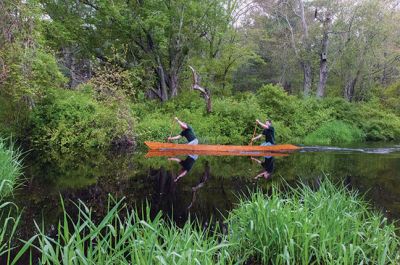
{"points": [[205, 92]]}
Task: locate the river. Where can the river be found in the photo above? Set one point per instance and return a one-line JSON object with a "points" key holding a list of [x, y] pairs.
{"points": [[210, 187]]}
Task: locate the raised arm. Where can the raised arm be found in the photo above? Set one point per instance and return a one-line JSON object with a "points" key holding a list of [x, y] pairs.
{"points": [[181, 123], [264, 125]]}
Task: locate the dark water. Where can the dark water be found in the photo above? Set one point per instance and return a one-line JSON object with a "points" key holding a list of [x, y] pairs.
{"points": [[209, 189]]}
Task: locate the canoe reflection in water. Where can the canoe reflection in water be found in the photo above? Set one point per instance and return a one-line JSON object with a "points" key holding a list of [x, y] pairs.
{"points": [[268, 167]]}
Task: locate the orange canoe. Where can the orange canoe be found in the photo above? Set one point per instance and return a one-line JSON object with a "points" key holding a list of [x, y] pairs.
{"points": [[221, 148], [170, 153]]}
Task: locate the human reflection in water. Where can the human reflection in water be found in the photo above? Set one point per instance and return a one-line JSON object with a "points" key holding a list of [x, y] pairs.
{"points": [[186, 165], [268, 166], [202, 181]]}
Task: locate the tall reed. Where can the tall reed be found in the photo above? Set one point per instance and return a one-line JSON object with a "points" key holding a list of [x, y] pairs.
{"points": [[303, 226], [10, 167], [328, 226], [121, 237], [10, 171]]}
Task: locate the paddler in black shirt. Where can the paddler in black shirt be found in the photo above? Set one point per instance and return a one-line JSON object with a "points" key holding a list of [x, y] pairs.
{"points": [[186, 132], [268, 131]]}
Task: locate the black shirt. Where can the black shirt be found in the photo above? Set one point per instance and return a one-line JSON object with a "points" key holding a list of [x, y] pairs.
{"points": [[268, 164], [189, 134], [269, 134], [187, 164]]}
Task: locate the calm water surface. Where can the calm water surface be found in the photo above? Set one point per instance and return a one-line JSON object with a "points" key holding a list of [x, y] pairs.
{"points": [[209, 188]]}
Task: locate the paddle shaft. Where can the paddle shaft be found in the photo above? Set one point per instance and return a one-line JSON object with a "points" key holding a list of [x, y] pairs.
{"points": [[254, 133], [170, 130]]}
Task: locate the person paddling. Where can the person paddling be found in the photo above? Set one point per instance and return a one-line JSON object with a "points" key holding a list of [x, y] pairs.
{"points": [[268, 131], [186, 132]]}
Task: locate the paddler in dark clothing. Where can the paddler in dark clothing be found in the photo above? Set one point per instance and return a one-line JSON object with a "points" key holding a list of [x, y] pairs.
{"points": [[268, 131], [186, 132], [268, 166], [186, 165]]}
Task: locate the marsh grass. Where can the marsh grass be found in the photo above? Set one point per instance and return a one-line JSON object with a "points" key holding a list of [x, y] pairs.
{"points": [[330, 225], [121, 237], [327, 226], [10, 171], [10, 167]]}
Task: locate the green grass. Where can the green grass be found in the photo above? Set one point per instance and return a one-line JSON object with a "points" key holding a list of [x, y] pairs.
{"points": [[10, 167], [300, 226], [329, 226], [10, 171], [121, 237]]}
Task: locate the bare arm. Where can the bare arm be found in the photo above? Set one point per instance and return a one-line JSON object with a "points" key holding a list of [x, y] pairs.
{"points": [[181, 123], [265, 126], [264, 174], [255, 159], [174, 159], [257, 137], [180, 175], [175, 137]]}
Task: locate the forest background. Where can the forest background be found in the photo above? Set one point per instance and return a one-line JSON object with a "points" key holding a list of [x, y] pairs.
{"points": [[82, 74]]}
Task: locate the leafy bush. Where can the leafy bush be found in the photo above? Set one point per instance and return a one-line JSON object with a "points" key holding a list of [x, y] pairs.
{"points": [[30, 73], [335, 132], [296, 120], [73, 119]]}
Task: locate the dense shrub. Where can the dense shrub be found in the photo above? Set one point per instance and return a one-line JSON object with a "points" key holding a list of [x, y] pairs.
{"points": [[311, 121], [72, 119], [30, 73], [335, 132]]}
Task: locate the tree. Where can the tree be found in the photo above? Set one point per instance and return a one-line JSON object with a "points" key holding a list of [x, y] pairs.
{"points": [[158, 34]]}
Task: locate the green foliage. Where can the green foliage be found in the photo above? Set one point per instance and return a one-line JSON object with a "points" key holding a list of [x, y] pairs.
{"points": [[67, 119], [327, 226], [10, 168], [311, 121], [391, 97], [335, 132]]}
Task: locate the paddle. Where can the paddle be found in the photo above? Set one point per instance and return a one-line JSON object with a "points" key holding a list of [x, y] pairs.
{"points": [[170, 129], [254, 133]]}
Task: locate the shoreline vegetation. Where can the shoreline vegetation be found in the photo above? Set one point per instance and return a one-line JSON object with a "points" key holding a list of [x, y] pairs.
{"points": [[74, 121], [302, 225]]}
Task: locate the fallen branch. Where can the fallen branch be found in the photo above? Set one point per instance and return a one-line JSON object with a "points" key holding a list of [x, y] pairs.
{"points": [[204, 91]]}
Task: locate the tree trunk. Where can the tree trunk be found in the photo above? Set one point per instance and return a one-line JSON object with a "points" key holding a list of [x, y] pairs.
{"points": [[306, 65], [307, 81], [161, 80], [349, 89], [173, 83], [204, 91], [323, 68]]}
